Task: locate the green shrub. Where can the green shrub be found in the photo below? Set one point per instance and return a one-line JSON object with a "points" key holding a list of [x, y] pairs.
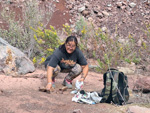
{"points": [[97, 44], [47, 41], [19, 33]]}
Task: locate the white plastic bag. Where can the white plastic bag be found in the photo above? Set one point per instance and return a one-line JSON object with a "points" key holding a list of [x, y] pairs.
{"points": [[79, 84]]}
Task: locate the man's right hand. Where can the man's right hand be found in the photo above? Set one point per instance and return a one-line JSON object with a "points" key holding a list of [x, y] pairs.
{"points": [[49, 87]]}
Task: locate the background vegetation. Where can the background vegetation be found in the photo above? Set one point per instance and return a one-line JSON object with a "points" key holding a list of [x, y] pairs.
{"points": [[29, 34], [19, 33]]}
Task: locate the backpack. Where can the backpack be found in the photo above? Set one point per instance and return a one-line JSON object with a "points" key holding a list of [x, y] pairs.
{"points": [[115, 87]]}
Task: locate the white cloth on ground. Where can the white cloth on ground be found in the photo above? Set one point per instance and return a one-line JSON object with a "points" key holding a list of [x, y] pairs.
{"points": [[87, 97]]}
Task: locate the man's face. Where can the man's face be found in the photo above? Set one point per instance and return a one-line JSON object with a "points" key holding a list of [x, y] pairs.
{"points": [[70, 47]]}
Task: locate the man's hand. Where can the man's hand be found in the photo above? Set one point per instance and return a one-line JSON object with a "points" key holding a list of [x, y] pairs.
{"points": [[81, 79], [49, 87]]}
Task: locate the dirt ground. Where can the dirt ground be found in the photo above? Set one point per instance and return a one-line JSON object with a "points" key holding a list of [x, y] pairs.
{"points": [[22, 95]]}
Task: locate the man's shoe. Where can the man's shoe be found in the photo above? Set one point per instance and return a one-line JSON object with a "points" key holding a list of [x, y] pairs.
{"points": [[68, 84], [53, 84]]}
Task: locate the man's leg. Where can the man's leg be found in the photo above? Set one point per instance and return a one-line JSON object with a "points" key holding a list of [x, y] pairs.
{"points": [[74, 72], [55, 73]]}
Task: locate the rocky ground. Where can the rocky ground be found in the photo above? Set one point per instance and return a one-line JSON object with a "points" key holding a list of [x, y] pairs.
{"points": [[124, 16], [21, 95]]}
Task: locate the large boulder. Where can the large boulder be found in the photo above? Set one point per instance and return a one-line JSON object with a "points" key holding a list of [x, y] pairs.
{"points": [[143, 84], [138, 109], [127, 69], [13, 61]]}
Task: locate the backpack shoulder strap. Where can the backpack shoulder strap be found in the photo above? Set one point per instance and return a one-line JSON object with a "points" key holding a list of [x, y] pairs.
{"points": [[115, 76], [107, 86]]}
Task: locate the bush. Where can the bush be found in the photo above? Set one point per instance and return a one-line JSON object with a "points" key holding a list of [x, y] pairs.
{"points": [[47, 41], [97, 44], [19, 33]]}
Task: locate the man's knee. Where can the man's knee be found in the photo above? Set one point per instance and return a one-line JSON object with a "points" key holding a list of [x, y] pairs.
{"points": [[77, 69], [56, 71]]}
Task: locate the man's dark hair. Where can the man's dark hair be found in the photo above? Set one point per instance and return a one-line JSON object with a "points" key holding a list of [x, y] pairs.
{"points": [[70, 38]]}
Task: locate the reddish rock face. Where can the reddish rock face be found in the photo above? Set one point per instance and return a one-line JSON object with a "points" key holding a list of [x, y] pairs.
{"points": [[60, 15], [143, 84]]}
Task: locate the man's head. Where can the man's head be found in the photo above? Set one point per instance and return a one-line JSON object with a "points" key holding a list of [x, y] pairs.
{"points": [[71, 44]]}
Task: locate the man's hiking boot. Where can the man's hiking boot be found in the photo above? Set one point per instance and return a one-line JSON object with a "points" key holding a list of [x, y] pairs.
{"points": [[53, 84], [67, 83]]}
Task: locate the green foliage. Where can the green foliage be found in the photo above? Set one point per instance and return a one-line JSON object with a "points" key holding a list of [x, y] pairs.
{"points": [[15, 34], [94, 54], [47, 41], [67, 29], [97, 44], [128, 60], [101, 64], [80, 24], [19, 33], [82, 30], [136, 60]]}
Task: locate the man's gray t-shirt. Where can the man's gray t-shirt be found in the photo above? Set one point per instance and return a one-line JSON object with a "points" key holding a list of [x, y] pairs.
{"points": [[62, 58]]}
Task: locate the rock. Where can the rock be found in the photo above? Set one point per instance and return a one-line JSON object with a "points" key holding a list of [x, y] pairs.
{"points": [[143, 84], [138, 109], [87, 4], [124, 3], [85, 13], [109, 9], [132, 4], [122, 40], [77, 111], [81, 9], [105, 13], [13, 61], [127, 68], [104, 28], [109, 5], [100, 15], [70, 6], [57, 1], [148, 68], [90, 19], [123, 7], [7, 8], [116, 10], [139, 43], [119, 4], [96, 10]]}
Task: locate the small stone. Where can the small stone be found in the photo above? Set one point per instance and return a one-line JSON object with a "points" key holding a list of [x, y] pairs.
{"points": [[104, 28], [70, 6], [7, 8], [90, 19], [57, 1], [105, 13], [119, 4], [85, 13], [100, 15], [81, 9], [132, 5], [109, 5]]}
